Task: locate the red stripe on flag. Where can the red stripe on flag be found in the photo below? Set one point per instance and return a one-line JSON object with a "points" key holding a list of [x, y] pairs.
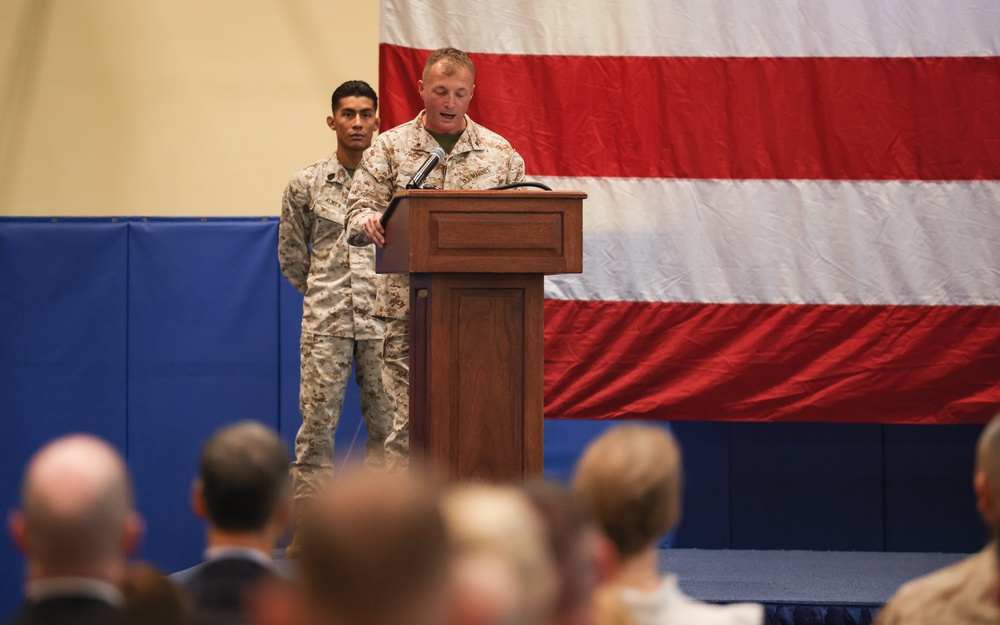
{"points": [[754, 118], [871, 364]]}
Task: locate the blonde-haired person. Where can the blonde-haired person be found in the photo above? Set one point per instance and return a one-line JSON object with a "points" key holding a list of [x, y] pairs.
{"points": [[632, 477], [502, 572]]}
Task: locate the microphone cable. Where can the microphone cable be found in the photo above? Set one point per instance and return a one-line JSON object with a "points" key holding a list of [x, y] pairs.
{"points": [[518, 185]]}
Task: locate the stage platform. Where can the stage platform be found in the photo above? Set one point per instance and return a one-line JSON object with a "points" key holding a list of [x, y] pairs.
{"points": [[800, 577], [796, 587], [800, 587]]}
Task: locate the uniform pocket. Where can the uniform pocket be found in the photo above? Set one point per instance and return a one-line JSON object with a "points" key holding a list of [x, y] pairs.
{"points": [[330, 209]]}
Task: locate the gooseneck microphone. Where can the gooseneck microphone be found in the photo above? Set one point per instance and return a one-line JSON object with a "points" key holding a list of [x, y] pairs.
{"points": [[436, 156]]}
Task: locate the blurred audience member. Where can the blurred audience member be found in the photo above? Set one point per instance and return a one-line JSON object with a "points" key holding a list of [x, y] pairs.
{"points": [[583, 556], [76, 528], [502, 567], [609, 609], [151, 598], [965, 592], [374, 552], [632, 477], [243, 494]]}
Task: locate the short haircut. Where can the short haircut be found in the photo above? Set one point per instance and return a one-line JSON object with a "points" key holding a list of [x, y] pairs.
{"points": [[350, 88], [453, 58], [632, 477], [244, 475]]}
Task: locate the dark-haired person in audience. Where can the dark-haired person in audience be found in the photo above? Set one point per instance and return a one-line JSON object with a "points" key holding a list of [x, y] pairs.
{"points": [[632, 477], [243, 494], [583, 556], [967, 591], [76, 527], [152, 598]]}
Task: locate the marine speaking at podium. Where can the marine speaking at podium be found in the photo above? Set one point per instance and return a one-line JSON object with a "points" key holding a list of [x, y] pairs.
{"points": [[474, 158]]}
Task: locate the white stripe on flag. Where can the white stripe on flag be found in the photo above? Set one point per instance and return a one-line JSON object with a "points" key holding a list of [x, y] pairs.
{"points": [[786, 242], [741, 28]]}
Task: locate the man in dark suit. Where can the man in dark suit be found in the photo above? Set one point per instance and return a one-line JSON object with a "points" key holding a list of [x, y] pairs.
{"points": [[76, 528], [243, 495]]}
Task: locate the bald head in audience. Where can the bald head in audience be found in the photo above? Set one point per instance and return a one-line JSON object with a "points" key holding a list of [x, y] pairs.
{"points": [[76, 517]]}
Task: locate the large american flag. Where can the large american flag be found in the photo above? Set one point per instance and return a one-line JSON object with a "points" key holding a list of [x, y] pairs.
{"points": [[794, 207]]}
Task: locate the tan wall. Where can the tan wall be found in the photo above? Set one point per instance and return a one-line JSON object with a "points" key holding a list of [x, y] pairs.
{"points": [[170, 107]]}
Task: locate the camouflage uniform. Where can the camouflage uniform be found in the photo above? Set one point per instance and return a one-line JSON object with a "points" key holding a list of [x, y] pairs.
{"points": [[481, 159], [964, 592], [339, 285]]}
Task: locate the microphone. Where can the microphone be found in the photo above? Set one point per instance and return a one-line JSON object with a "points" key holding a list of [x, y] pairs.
{"points": [[437, 155]]}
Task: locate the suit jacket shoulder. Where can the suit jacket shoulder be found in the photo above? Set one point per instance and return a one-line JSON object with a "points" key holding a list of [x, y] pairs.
{"points": [[219, 587], [68, 611]]}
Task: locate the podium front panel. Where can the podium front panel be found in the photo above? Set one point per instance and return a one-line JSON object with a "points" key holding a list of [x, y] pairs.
{"points": [[478, 357]]}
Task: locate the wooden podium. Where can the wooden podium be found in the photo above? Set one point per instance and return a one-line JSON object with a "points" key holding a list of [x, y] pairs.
{"points": [[477, 261]]}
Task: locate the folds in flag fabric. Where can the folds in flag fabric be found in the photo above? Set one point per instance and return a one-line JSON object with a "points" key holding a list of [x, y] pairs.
{"points": [[793, 209]]}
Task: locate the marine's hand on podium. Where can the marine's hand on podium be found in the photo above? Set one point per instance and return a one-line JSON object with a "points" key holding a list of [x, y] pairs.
{"points": [[374, 230]]}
